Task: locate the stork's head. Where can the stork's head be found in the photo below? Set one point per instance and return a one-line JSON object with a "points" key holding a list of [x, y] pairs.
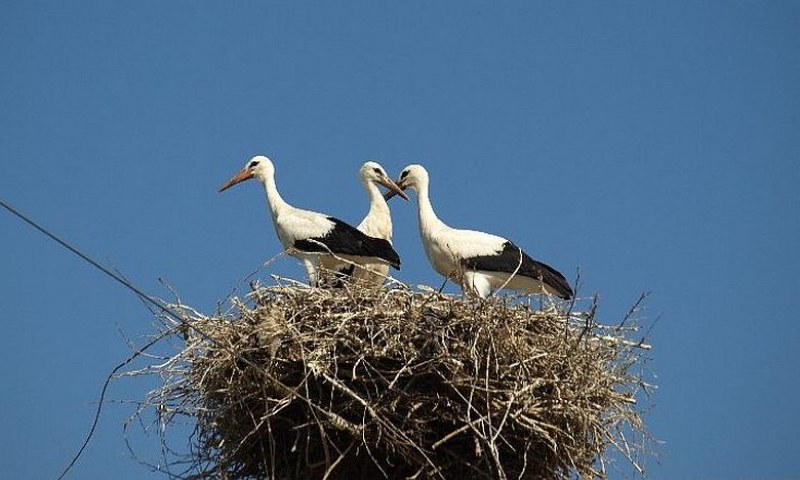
{"points": [[414, 177], [259, 167], [372, 172]]}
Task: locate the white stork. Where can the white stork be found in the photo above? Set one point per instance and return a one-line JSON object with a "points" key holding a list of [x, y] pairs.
{"points": [[377, 224], [310, 235], [480, 262]]}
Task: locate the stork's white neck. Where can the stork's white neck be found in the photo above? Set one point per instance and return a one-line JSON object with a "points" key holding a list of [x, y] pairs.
{"points": [[378, 222], [428, 221], [274, 199]]}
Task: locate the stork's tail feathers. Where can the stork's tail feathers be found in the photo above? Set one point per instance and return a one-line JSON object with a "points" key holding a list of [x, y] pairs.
{"points": [[557, 282], [548, 275], [382, 249]]}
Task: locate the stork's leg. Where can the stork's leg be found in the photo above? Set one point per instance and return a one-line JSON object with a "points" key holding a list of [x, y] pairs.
{"points": [[312, 269], [477, 283]]}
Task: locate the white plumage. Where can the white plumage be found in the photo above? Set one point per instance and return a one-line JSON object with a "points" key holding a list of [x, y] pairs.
{"points": [[480, 262], [377, 224], [309, 235]]}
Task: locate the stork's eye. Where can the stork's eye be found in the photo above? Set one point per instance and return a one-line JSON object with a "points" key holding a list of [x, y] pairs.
{"points": [[377, 170], [404, 174], [253, 163]]}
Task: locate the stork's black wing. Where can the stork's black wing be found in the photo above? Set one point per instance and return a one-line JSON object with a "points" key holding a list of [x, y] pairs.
{"points": [[344, 239], [509, 259]]}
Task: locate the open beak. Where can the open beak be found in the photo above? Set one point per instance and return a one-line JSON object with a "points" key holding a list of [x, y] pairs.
{"points": [[238, 178], [394, 189]]}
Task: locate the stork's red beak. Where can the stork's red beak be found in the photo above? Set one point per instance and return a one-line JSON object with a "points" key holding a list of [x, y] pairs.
{"points": [[238, 178], [394, 189]]}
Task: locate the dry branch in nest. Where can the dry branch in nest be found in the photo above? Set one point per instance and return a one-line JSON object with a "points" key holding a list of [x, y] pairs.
{"points": [[390, 383]]}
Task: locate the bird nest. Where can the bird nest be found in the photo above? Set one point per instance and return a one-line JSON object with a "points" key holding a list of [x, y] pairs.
{"points": [[362, 382]]}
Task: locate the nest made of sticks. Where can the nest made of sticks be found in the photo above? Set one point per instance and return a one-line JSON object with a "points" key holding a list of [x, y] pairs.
{"points": [[361, 382]]}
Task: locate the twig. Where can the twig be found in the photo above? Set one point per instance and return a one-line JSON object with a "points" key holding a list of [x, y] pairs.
{"points": [[101, 401], [514, 274]]}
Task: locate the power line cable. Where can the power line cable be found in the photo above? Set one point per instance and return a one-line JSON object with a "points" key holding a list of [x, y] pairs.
{"points": [[118, 278], [95, 264]]}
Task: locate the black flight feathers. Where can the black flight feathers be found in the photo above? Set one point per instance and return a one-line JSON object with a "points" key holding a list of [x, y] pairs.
{"points": [[508, 260], [346, 240]]}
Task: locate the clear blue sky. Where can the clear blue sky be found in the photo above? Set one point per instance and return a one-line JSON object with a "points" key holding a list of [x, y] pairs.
{"points": [[652, 145]]}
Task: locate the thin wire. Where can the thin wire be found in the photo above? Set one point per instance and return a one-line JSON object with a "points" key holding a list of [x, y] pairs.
{"points": [[127, 285], [103, 269]]}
